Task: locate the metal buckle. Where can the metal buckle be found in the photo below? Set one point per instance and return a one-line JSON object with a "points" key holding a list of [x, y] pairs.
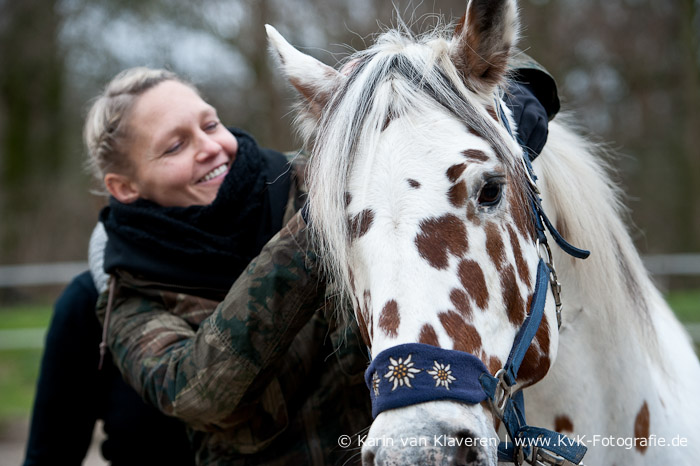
{"points": [[543, 457], [502, 394], [545, 254], [556, 292]]}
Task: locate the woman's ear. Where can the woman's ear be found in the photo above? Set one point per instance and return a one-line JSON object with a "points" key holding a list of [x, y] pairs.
{"points": [[121, 187]]}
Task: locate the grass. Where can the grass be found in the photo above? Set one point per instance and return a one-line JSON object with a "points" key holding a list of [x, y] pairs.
{"points": [[25, 317], [18, 373], [19, 368], [686, 304]]}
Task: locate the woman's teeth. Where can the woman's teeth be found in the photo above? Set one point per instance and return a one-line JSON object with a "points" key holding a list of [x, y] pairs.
{"points": [[221, 169]]}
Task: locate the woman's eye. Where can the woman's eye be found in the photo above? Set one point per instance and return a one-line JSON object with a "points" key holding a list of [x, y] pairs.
{"points": [[490, 194], [211, 126], [173, 148]]}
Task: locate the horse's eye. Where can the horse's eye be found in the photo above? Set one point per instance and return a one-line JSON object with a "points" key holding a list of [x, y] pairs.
{"points": [[490, 194]]}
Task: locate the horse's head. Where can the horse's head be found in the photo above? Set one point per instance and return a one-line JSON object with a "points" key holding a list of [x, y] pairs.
{"points": [[422, 206]]}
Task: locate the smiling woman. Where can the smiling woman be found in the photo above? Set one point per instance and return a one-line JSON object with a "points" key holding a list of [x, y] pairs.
{"points": [[202, 328], [178, 152]]}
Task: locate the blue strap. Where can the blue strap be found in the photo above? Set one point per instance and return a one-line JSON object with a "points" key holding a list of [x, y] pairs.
{"points": [[513, 421], [542, 222], [530, 326]]}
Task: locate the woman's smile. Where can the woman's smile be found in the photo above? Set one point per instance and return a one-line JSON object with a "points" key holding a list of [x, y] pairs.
{"points": [[218, 172]]}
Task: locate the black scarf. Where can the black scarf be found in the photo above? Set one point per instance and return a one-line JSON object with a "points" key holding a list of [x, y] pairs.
{"points": [[203, 247]]}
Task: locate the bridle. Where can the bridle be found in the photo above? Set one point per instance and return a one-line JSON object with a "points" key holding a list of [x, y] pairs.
{"points": [[414, 373]]}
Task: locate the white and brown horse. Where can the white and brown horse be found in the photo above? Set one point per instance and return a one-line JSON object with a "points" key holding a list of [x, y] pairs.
{"points": [[422, 207]]}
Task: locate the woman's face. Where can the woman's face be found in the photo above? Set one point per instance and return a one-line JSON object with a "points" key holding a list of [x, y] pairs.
{"points": [[180, 151]]}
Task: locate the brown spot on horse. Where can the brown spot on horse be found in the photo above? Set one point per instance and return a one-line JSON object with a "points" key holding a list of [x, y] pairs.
{"points": [[641, 428], [455, 171], [428, 336], [464, 336], [520, 263], [521, 213], [494, 365], [475, 155], [413, 183], [458, 194], [563, 423], [389, 319], [536, 363], [492, 113], [494, 245], [438, 236], [360, 223], [513, 302], [472, 214], [472, 278], [460, 300]]}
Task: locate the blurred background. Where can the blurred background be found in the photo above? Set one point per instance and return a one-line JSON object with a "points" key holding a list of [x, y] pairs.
{"points": [[628, 69]]}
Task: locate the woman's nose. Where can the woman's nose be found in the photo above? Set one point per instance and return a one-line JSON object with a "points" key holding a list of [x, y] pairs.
{"points": [[207, 147]]}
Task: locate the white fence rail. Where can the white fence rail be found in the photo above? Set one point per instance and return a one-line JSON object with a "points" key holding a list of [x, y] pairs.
{"points": [[58, 273], [62, 272], [673, 264]]}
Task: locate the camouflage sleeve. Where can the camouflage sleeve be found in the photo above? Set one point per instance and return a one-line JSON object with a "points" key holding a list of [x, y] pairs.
{"points": [[524, 69], [218, 376]]}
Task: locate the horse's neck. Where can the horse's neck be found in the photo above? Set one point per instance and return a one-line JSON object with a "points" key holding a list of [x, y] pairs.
{"points": [[620, 346]]}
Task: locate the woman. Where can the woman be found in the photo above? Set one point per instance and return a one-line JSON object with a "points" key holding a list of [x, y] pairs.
{"points": [[250, 364], [216, 310]]}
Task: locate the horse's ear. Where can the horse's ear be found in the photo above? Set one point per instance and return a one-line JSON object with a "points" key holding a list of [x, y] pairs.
{"points": [[483, 41], [314, 80]]}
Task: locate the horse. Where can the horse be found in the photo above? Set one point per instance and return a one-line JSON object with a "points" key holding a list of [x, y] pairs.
{"points": [[429, 218]]}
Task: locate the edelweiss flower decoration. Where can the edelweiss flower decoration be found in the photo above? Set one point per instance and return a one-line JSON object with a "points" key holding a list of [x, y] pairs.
{"points": [[442, 375], [375, 383], [401, 372]]}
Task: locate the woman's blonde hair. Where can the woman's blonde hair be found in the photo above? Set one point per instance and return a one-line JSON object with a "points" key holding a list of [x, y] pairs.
{"points": [[106, 131]]}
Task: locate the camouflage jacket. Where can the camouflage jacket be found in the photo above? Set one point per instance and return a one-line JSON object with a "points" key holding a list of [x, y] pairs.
{"points": [[261, 377]]}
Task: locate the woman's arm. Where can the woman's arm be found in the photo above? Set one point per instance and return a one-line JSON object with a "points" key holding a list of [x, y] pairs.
{"points": [[202, 377]]}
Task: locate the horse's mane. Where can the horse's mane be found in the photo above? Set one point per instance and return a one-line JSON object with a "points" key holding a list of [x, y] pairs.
{"points": [[576, 176], [399, 72]]}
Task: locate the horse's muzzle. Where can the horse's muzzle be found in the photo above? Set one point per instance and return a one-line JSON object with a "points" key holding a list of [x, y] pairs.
{"points": [[459, 449]]}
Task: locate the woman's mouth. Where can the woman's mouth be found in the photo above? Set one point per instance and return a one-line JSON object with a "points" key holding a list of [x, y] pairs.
{"points": [[218, 171]]}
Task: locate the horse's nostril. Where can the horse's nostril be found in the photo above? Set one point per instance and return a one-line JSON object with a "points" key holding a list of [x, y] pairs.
{"points": [[368, 458], [469, 453]]}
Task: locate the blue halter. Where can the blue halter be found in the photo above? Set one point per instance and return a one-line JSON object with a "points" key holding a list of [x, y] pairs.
{"points": [[414, 373]]}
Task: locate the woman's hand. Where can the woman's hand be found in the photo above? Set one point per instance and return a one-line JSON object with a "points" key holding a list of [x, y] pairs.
{"points": [[530, 117]]}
